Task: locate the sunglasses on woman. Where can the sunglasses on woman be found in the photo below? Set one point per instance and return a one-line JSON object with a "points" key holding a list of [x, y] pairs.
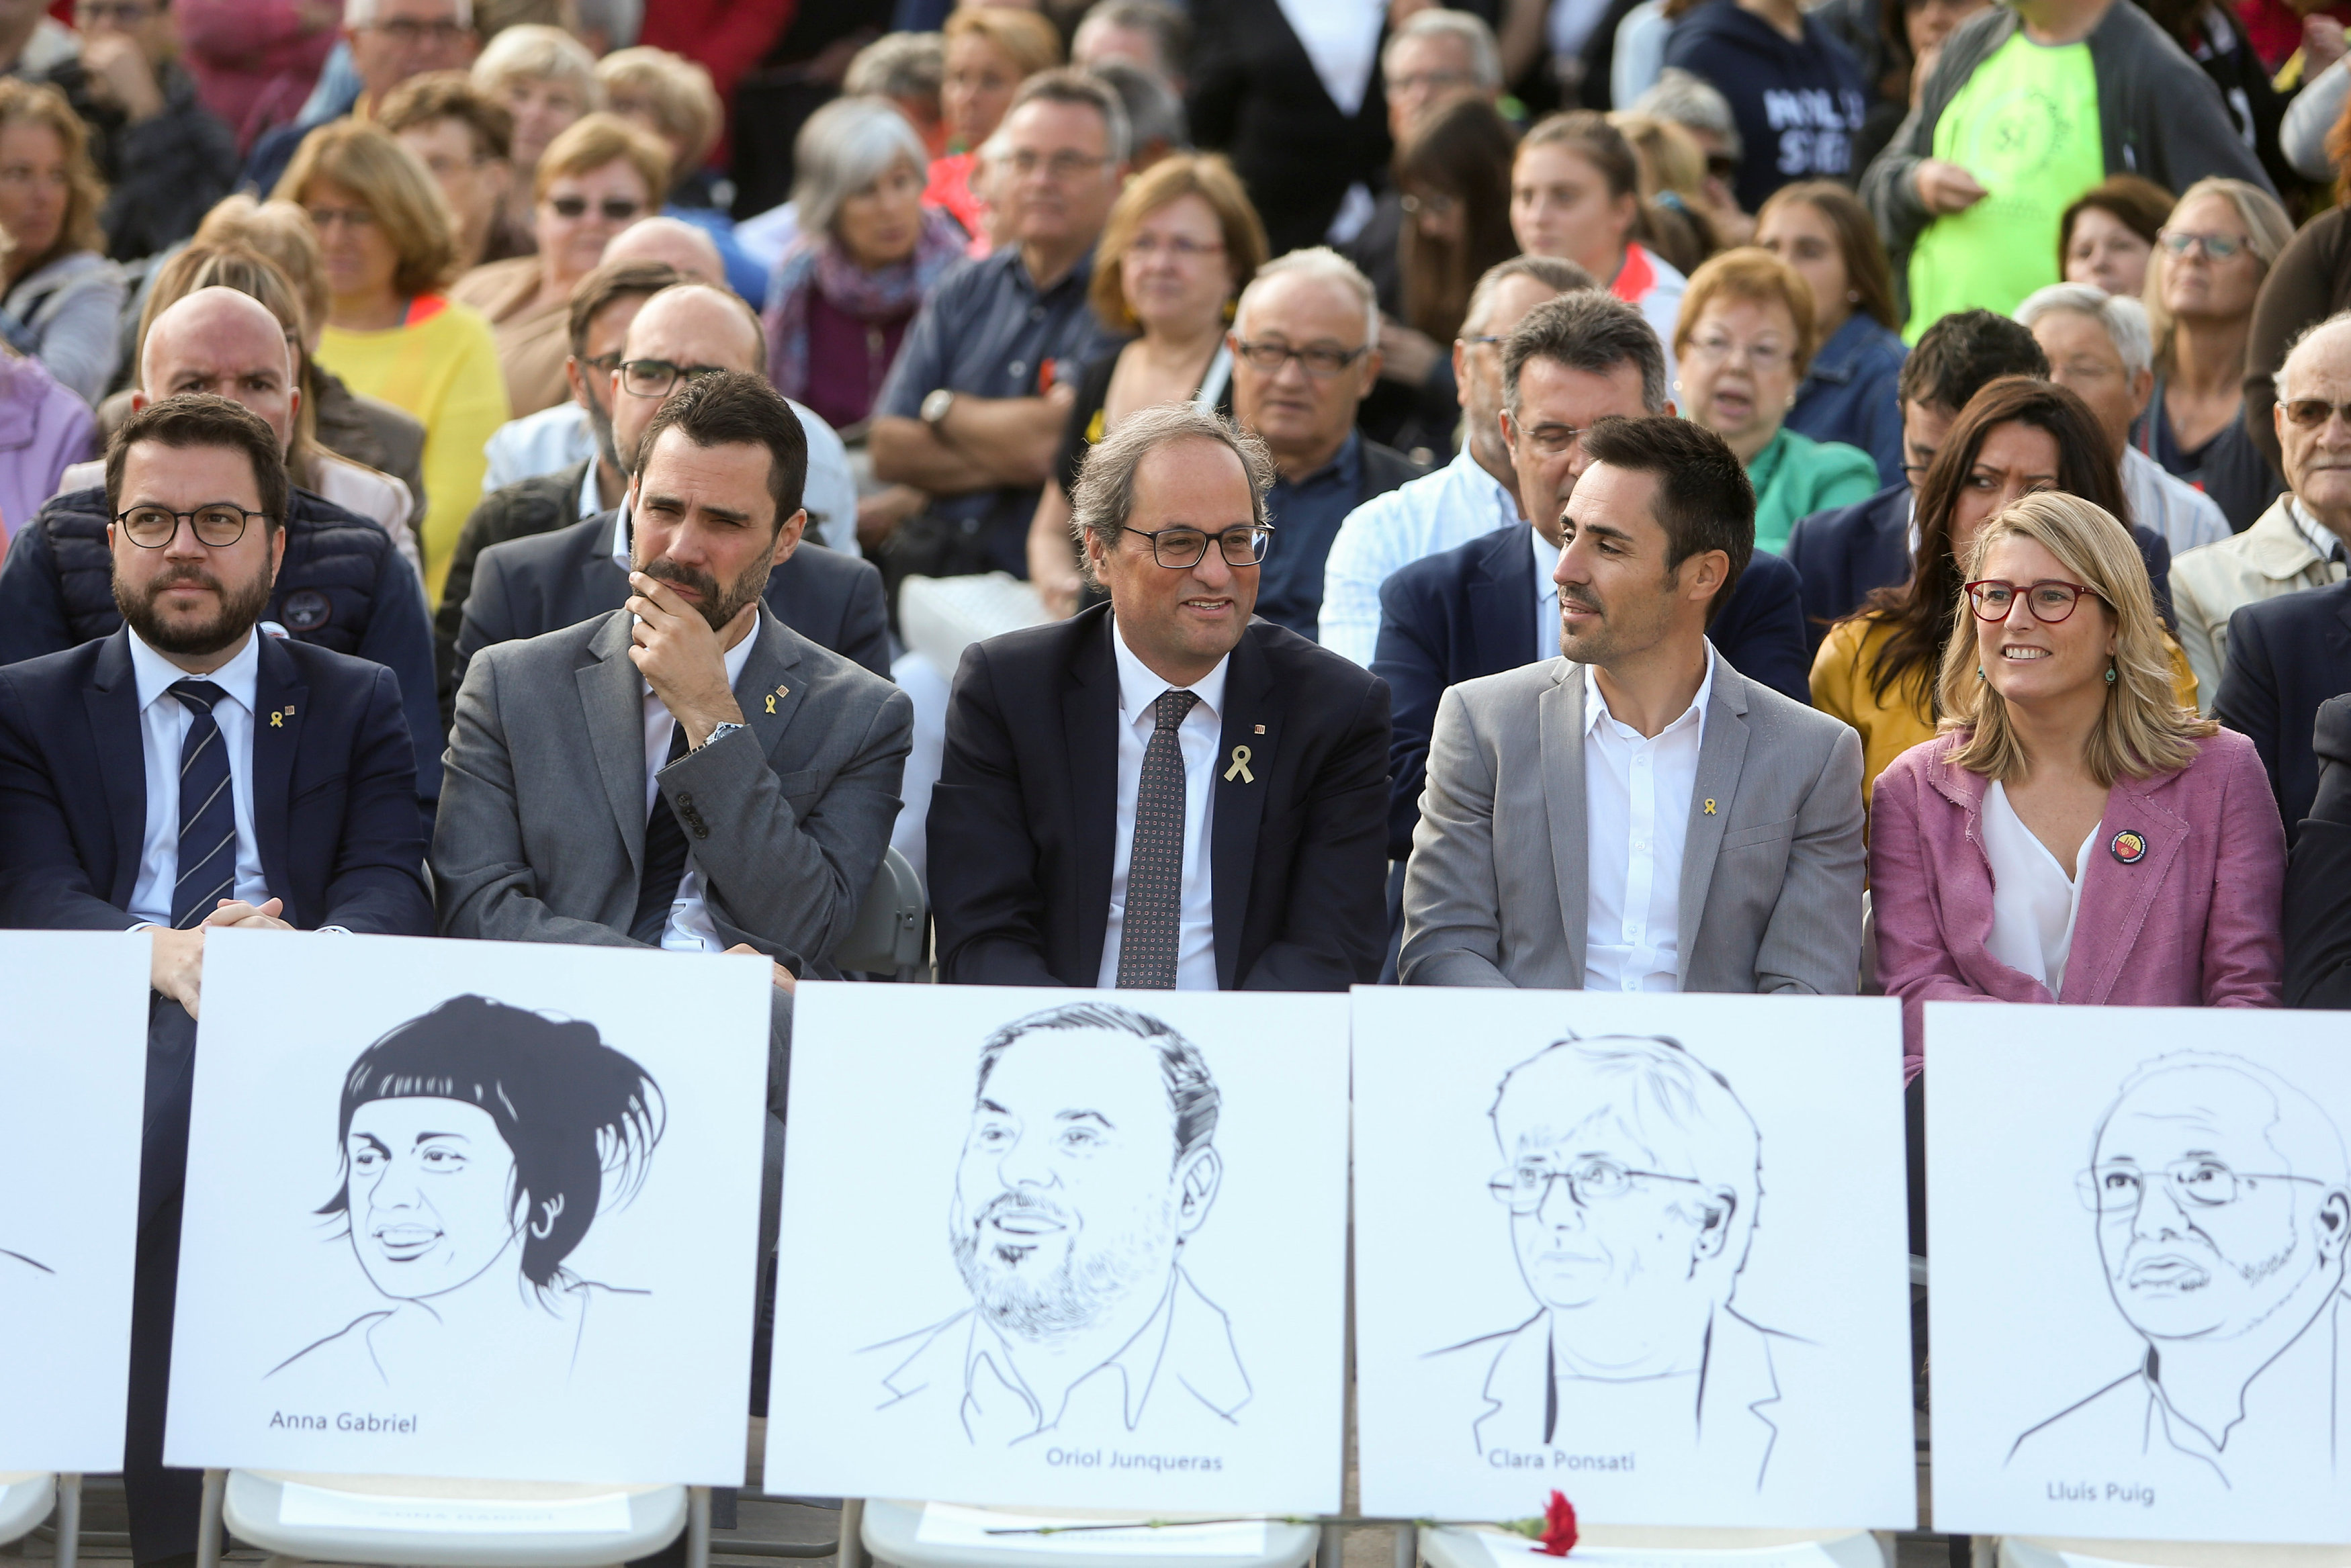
{"points": [[615, 209]]}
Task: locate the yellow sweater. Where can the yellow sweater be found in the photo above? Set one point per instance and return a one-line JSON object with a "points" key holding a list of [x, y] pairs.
{"points": [[441, 365], [1892, 725]]}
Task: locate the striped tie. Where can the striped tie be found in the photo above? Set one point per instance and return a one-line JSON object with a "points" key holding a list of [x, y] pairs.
{"points": [[1151, 930], [207, 809]]}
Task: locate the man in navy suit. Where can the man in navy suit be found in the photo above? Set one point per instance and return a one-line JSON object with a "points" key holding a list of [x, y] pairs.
{"points": [[2287, 656], [187, 774], [1163, 793]]}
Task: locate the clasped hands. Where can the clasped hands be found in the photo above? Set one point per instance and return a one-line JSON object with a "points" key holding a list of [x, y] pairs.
{"points": [[175, 962]]}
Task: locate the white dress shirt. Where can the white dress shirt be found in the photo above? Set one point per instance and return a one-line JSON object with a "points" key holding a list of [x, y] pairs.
{"points": [[1636, 809], [1547, 599], [163, 729], [690, 929], [1341, 38], [2034, 902], [2163, 504], [1201, 733], [1440, 511]]}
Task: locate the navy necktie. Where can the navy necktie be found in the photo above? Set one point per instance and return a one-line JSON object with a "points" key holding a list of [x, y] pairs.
{"points": [[664, 859], [207, 867], [1149, 931]]}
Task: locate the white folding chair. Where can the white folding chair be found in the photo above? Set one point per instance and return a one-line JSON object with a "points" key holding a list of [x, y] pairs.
{"points": [[2043, 1552], [1451, 1548], [890, 1530], [252, 1505], [27, 1497]]}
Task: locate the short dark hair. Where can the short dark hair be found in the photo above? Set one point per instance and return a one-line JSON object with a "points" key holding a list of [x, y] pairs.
{"points": [[1589, 330], [1704, 501], [1191, 1094], [451, 95], [568, 1105], [200, 419], [608, 284], [735, 408], [1066, 84], [1964, 351]]}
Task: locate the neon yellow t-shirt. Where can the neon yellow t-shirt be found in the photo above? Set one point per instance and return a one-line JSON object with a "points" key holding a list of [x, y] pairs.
{"points": [[2026, 126]]}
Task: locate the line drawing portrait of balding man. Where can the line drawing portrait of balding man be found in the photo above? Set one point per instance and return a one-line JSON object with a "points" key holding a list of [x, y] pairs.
{"points": [[1088, 1165], [1631, 1177], [2220, 1199]]}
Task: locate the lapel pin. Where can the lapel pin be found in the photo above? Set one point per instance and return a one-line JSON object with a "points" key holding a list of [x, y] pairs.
{"points": [[1240, 768], [276, 719], [1259, 729], [2128, 846], [1710, 808], [771, 701]]}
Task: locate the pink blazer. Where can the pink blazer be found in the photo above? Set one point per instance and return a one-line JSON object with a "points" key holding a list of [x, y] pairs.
{"points": [[2190, 921]]}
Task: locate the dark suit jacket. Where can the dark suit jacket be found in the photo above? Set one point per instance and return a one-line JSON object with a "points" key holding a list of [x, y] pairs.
{"points": [[334, 791], [1025, 814], [1470, 611], [1844, 552], [2286, 656], [2317, 905], [545, 582]]}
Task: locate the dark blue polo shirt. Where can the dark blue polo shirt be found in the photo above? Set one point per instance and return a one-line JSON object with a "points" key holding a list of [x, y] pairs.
{"points": [[1306, 516]]}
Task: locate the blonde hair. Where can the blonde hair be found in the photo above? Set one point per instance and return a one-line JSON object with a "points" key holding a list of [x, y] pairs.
{"points": [[1027, 38], [2267, 230], [1203, 174], [280, 233], [2143, 731], [364, 159], [674, 91], [532, 51], [1749, 273], [594, 140], [43, 104]]}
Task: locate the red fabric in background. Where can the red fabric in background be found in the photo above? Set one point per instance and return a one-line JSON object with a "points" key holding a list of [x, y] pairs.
{"points": [[728, 39], [2275, 28]]}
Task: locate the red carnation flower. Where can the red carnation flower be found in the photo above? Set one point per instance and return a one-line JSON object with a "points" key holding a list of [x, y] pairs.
{"points": [[1559, 1526]]}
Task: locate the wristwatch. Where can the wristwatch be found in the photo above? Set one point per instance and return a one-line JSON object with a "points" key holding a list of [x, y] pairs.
{"points": [[935, 406], [720, 733]]}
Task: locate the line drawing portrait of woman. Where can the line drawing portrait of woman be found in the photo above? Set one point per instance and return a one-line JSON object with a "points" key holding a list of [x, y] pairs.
{"points": [[478, 1143]]}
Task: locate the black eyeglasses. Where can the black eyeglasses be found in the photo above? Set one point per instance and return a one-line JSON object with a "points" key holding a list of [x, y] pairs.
{"points": [[1181, 549], [1320, 359], [152, 527], [615, 209], [654, 378], [2051, 601]]}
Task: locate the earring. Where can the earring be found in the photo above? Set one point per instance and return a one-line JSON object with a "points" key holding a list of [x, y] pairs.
{"points": [[1852, 297], [2110, 675], [1979, 674]]}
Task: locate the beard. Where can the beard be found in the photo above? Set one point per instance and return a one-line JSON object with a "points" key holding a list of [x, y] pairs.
{"points": [[600, 420], [1035, 1298], [717, 607], [240, 605]]}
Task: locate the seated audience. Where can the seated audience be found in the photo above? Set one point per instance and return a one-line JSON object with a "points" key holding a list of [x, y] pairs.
{"points": [[979, 396], [1745, 339], [139, 790], [2107, 236], [536, 584], [341, 582], [384, 43], [545, 79], [990, 51], [1876, 670], [2299, 541], [1849, 393], [1561, 821], [391, 332], [62, 296], [464, 139], [1162, 792], [674, 97], [1180, 245], [2317, 907], [1469, 497], [1305, 345], [1576, 194], [2065, 756], [2100, 347], [2215, 249], [594, 180]]}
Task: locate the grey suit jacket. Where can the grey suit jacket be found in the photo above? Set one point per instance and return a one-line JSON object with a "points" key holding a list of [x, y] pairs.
{"points": [[541, 838], [1495, 892]]}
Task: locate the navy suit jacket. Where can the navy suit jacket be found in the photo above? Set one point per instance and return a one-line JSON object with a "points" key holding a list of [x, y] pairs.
{"points": [[1024, 817], [2317, 914], [2286, 657], [1470, 611], [334, 791]]}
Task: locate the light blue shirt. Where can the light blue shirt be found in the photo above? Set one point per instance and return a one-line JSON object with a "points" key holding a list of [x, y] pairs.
{"points": [[164, 723], [1440, 511]]}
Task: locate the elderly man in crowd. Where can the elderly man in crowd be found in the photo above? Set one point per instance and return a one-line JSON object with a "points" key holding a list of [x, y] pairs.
{"points": [[391, 41], [1305, 345], [2298, 543], [975, 404]]}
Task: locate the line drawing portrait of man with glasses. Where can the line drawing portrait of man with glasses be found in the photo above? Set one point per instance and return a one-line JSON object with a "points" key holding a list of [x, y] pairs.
{"points": [[1632, 1178], [2221, 1200]]}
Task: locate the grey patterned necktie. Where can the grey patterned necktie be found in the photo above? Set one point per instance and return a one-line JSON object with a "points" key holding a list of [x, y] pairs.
{"points": [[1150, 933]]}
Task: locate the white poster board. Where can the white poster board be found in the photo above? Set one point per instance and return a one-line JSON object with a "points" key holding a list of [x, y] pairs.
{"points": [[73, 1075], [1649, 1250], [486, 1210], [1111, 1276], [2138, 1220]]}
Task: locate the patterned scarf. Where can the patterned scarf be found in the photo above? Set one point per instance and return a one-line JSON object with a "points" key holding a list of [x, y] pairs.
{"points": [[819, 263]]}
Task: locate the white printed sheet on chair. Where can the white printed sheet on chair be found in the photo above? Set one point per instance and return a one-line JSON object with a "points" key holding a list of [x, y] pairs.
{"points": [[73, 1071], [484, 1210], [1062, 1249], [2139, 1219], [1650, 1251]]}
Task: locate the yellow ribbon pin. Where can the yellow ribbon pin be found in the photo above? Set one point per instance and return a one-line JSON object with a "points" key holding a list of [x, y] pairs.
{"points": [[771, 701], [1710, 808], [276, 719], [1240, 768]]}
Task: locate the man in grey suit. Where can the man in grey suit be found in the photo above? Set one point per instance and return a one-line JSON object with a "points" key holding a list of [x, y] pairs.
{"points": [[1636, 816]]}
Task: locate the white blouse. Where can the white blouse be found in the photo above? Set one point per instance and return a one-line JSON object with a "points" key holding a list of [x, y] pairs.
{"points": [[2034, 902]]}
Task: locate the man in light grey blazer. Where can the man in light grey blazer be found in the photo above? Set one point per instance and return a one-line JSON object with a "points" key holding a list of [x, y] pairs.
{"points": [[1636, 816]]}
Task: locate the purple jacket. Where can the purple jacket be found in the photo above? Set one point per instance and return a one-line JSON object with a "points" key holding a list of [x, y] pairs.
{"points": [[2191, 921], [44, 430]]}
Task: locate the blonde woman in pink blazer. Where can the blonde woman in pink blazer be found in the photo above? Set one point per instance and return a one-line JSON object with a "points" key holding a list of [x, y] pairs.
{"points": [[2072, 835]]}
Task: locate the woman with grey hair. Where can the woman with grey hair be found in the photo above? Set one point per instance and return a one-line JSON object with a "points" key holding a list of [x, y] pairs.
{"points": [[867, 255]]}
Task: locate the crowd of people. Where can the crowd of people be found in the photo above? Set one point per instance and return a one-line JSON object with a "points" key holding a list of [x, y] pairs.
{"points": [[1684, 495]]}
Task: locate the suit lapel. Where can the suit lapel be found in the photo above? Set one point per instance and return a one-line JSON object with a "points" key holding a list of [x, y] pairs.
{"points": [[1502, 605], [1559, 719], [281, 704], [611, 697], [1090, 734], [769, 693], [1252, 720], [2120, 896], [111, 700], [1720, 756]]}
